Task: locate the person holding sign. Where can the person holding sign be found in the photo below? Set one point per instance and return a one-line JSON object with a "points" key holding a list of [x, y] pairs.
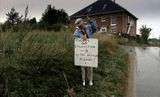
{"points": [[85, 31]]}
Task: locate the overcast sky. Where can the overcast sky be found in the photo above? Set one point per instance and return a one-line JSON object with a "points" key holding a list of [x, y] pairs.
{"points": [[148, 11]]}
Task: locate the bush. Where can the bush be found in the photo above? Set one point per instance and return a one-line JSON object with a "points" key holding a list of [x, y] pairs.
{"points": [[145, 32], [107, 41]]}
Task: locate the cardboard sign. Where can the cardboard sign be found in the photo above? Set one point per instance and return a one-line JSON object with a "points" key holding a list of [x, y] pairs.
{"points": [[86, 52]]}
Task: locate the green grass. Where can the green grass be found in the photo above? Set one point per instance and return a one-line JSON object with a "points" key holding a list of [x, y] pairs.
{"points": [[138, 42], [34, 62]]}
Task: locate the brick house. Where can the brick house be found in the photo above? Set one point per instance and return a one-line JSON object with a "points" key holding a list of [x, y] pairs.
{"points": [[110, 17]]}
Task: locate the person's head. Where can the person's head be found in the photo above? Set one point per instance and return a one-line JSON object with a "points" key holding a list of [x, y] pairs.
{"points": [[79, 23]]}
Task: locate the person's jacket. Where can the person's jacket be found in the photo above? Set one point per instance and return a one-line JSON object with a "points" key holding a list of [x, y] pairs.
{"points": [[90, 29]]}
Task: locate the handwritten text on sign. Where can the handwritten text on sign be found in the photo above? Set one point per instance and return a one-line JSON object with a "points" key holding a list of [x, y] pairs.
{"points": [[86, 52]]}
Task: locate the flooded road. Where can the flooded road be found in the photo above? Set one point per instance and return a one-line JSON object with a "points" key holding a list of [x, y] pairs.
{"points": [[147, 72]]}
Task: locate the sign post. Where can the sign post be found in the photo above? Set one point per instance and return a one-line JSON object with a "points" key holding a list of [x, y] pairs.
{"points": [[86, 52]]}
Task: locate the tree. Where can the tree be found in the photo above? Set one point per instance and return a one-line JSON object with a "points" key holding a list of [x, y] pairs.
{"points": [[13, 17], [32, 21], [53, 16], [145, 32]]}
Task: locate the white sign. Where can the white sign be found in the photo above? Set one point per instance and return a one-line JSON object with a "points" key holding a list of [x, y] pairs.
{"points": [[86, 52]]}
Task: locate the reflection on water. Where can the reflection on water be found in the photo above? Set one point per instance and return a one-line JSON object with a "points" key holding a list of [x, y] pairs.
{"points": [[147, 77]]}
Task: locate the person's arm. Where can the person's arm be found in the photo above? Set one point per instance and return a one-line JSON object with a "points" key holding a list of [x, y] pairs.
{"points": [[92, 23], [76, 34]]}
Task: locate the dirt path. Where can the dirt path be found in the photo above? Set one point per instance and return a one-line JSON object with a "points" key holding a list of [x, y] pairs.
{"points": [[130, 87]]}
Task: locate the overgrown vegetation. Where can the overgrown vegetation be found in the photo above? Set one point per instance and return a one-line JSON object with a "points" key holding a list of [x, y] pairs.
{"points": [[33, 60], [32, 65]]}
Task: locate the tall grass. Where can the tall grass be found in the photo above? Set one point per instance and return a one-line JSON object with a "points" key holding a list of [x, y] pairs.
{"points": [[34, 62]]}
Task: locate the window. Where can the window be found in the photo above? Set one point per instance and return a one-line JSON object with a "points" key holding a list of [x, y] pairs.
{"points": [[103, 19], [113, 20], [113, 24], [113, 28], [103, 29], [128, 19]]}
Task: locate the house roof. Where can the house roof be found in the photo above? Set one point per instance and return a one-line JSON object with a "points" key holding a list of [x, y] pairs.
{"points": [[101, 7]]}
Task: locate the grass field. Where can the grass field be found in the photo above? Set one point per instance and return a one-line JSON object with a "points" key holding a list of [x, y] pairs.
{"points": [[32, 65]]}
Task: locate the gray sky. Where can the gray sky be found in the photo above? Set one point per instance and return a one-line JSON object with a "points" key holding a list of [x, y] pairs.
{"points": [[146, 10]]}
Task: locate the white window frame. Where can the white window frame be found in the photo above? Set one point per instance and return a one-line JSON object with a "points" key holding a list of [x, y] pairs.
{"points": [[115, 20], [103, 19], [114, 27], [113, 24]]}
